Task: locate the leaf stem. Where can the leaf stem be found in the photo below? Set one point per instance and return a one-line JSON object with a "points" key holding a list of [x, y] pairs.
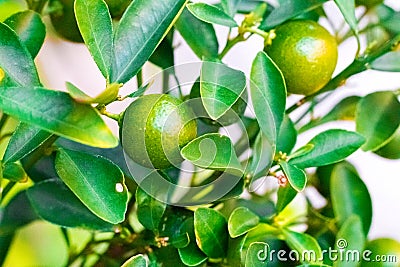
{"points": [[231, 43]]}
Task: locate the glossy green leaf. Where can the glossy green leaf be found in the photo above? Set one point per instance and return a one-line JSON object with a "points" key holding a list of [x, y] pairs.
{"points": [[288, 10], [296, 177], [211, 232], [241, 221], [263, 154], [285, 195], [344, 110], [15, 59], [30, 29], [213, 151], [287, 136], [268, 93], [94, 22], [24, 140], [389, 18], [350, 195], [14, 172], [16, 214], [220, 88], [328, 147], [191, 255], [230, 6], [391, 150], [211, 14], [149, 210], [199, 35], [56, 112], [350, 238], [56, 203], [257, 255], [96, 181], [108, 95], [304, 244], [377, 118], [149, 21], [348, 10], [136, 261], [387, 62]]}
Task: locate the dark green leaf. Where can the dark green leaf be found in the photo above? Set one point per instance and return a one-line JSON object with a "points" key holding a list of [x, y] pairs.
{"points": [[163, 56], [211, 232], [213, 151], [387, 62], [15, 59], [344, 110], [56, 112], [268, 93], [220, 88], [377, 118], [16, 214], [24, 140], [105, 97], [150, 22], [285, 195], [96, 181], [191, 255], [350, 195], [199, 35], [54, 202], [241, 221], [95, 25], [297, 177], [287, 136], [149, 210], [348, 10], [328, 147], [263, 154], [14, 172], [211, 14], [289, 10], [305, 244], [257, 255], [350, 238], [136, 261], [30, 29], [230, 6]]}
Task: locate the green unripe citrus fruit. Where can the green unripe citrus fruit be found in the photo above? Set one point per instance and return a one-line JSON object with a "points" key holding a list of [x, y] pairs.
{"points": [[385, 252], [154, 128], [306, 53], [63, 20], [230, 117], [368, 3]]}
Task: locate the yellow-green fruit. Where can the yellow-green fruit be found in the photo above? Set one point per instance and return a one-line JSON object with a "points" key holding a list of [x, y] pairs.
{"points": [[63, 20], [154, 128], [368, 3], [381, 252], [117, 7], [306, 53]]}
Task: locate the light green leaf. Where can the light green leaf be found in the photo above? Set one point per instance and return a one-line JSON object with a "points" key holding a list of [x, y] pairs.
{"points": [[140, 30], [297, 177], [213, 151], [220, 88], [268, 93], [350, 238], [149, 210], [136, 261], [105, 97], [54, 202], [191, 255], [348, 10], [94, 22], [377, 118], [307, 247], [30, 29], [285, 195], [387, 62], [96, 181], [211, 14], [257, 255], [14, 172], [15, 59], [328, 147], [391, 150], [287, 136], [263, 154], [230, 6], [350, 196], [56, 112], [241, 221], [199, 35], [211, 232]]}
